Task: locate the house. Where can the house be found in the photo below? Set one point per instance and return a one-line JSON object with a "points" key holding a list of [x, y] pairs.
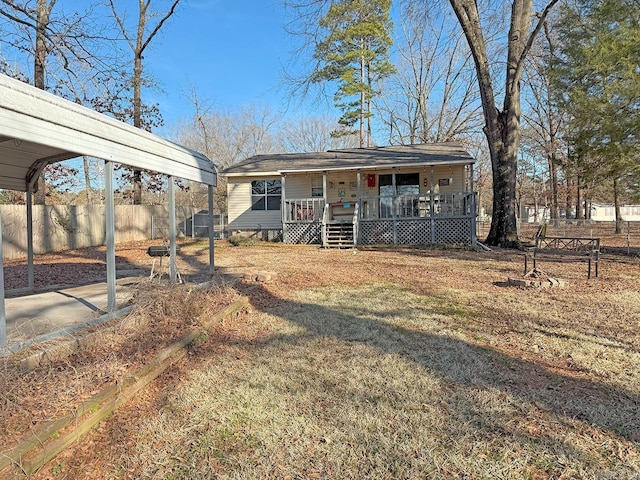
{"points": [[409, 194], [607, 213]]}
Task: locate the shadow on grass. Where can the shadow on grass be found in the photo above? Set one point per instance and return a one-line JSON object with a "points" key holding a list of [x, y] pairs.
{"points": [[566, 396]]}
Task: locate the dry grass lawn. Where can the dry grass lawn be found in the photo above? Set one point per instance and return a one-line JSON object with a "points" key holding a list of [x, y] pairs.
{"points": [[390, 364]]}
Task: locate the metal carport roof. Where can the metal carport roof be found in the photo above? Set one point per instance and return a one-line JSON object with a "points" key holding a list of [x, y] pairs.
{"points": [[38, 128]]}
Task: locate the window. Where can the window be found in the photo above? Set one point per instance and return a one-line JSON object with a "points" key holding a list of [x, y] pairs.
{"points": [[266, 194], [316, 187]]}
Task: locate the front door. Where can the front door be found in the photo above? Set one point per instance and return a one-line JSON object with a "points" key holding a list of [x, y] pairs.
{"points": [[405, 184]]}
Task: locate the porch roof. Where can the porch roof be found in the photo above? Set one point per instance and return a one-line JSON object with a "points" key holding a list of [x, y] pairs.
{"points": [[353, 159]]}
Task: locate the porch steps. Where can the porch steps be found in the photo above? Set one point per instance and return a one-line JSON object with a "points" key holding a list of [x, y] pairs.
{"points": [[339, 235]]}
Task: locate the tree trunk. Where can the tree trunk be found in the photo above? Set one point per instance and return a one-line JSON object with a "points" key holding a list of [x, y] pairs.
{"points": [[579, 198], [553, 178], [362, 97], [502, 128], [616, 204], [137, 111], [43, 12], [87, 180]]}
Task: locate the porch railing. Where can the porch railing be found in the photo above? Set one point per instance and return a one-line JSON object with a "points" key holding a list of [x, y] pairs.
{"points": [[303, 210], [417, 206]]}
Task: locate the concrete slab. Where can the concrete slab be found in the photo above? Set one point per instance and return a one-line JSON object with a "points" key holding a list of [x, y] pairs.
{"points": [[41, 313]]}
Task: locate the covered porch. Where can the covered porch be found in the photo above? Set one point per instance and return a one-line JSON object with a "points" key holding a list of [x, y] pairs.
{"points": [[363, 207]]}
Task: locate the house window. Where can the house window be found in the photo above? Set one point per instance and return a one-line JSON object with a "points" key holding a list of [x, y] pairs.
{"points": [[316, 187], [266, 194]]}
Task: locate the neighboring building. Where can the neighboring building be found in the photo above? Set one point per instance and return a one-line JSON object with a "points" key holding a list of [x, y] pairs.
{"points": [[599, 213], [607, 213], [411, 194]]}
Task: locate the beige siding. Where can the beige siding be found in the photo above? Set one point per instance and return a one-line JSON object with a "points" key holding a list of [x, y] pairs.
{"points": [[455, 172], [241, 217], [299, 186]]}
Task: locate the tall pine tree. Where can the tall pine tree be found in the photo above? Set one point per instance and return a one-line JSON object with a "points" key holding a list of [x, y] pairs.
{"points": [[354, 53], [598, 76]]}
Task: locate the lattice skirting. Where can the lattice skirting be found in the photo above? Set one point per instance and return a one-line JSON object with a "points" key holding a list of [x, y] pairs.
{"points": [[416, 232], [453, 230], [305, 233]]}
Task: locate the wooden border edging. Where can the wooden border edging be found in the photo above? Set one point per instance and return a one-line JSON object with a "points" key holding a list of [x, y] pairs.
{"points": [[42, 445]]}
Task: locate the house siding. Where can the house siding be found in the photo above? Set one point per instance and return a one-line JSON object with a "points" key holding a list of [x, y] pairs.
{"points": [[241, 217], [299, 186]]}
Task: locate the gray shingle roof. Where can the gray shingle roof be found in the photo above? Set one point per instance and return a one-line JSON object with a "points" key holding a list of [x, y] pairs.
{"points": [[354, 158]]}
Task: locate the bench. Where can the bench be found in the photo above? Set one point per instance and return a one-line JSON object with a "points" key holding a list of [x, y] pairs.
{"points": [[564, 249]]}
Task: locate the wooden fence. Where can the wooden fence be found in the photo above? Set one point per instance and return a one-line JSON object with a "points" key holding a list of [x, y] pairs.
{"points": [[62, 227]]}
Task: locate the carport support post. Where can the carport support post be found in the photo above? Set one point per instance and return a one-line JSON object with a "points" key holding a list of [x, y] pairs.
{"points": [[29, 199], [173, 271], [211, 217], [3, 317], [110, 237]]}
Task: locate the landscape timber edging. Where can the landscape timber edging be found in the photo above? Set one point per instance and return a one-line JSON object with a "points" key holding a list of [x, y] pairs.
{"points": [[43, 444]]}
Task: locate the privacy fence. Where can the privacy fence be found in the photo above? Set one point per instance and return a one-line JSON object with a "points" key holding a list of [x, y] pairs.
{"points": [[61, 227]]}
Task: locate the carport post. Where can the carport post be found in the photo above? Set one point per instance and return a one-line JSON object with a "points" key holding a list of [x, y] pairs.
{"points": [[110, 237], [30, 235], [211, 217], [3, 318], [173, 270]]}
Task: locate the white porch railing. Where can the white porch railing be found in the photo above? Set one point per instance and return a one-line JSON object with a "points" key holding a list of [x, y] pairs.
{"points": [[417, 206], [403, 219], [303, 210]]}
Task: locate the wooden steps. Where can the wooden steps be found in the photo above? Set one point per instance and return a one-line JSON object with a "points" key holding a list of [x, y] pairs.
{"points": [[339, 235]]}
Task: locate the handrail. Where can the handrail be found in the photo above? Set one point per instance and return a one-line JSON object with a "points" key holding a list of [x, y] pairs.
{"points": [[325, 219], [356, 224]]}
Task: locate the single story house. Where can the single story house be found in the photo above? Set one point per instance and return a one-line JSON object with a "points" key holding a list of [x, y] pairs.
{"points": [[607, 213], [407, 194]]}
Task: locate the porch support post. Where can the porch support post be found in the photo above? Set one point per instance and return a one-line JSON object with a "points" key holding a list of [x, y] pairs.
{"points": [[432, 204], [3, 317], [324, 186], [284, 209], [110, 237], [29, 201], [474, 212], [394, 205], [359, 187], [211, 219], [173, 270]]}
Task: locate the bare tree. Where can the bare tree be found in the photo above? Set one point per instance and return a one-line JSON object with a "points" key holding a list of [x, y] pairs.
{"points": [[314, 134], [138, 42], [32, 31], [542, 114], [228, 138], [67, 56], [432, 97], [502, 125]]}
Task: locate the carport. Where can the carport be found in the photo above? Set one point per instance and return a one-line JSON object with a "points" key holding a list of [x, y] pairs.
{"points": [[38, 128]]}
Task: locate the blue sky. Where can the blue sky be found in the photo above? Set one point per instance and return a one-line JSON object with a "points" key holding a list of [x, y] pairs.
{"points": [[231, 51]]}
